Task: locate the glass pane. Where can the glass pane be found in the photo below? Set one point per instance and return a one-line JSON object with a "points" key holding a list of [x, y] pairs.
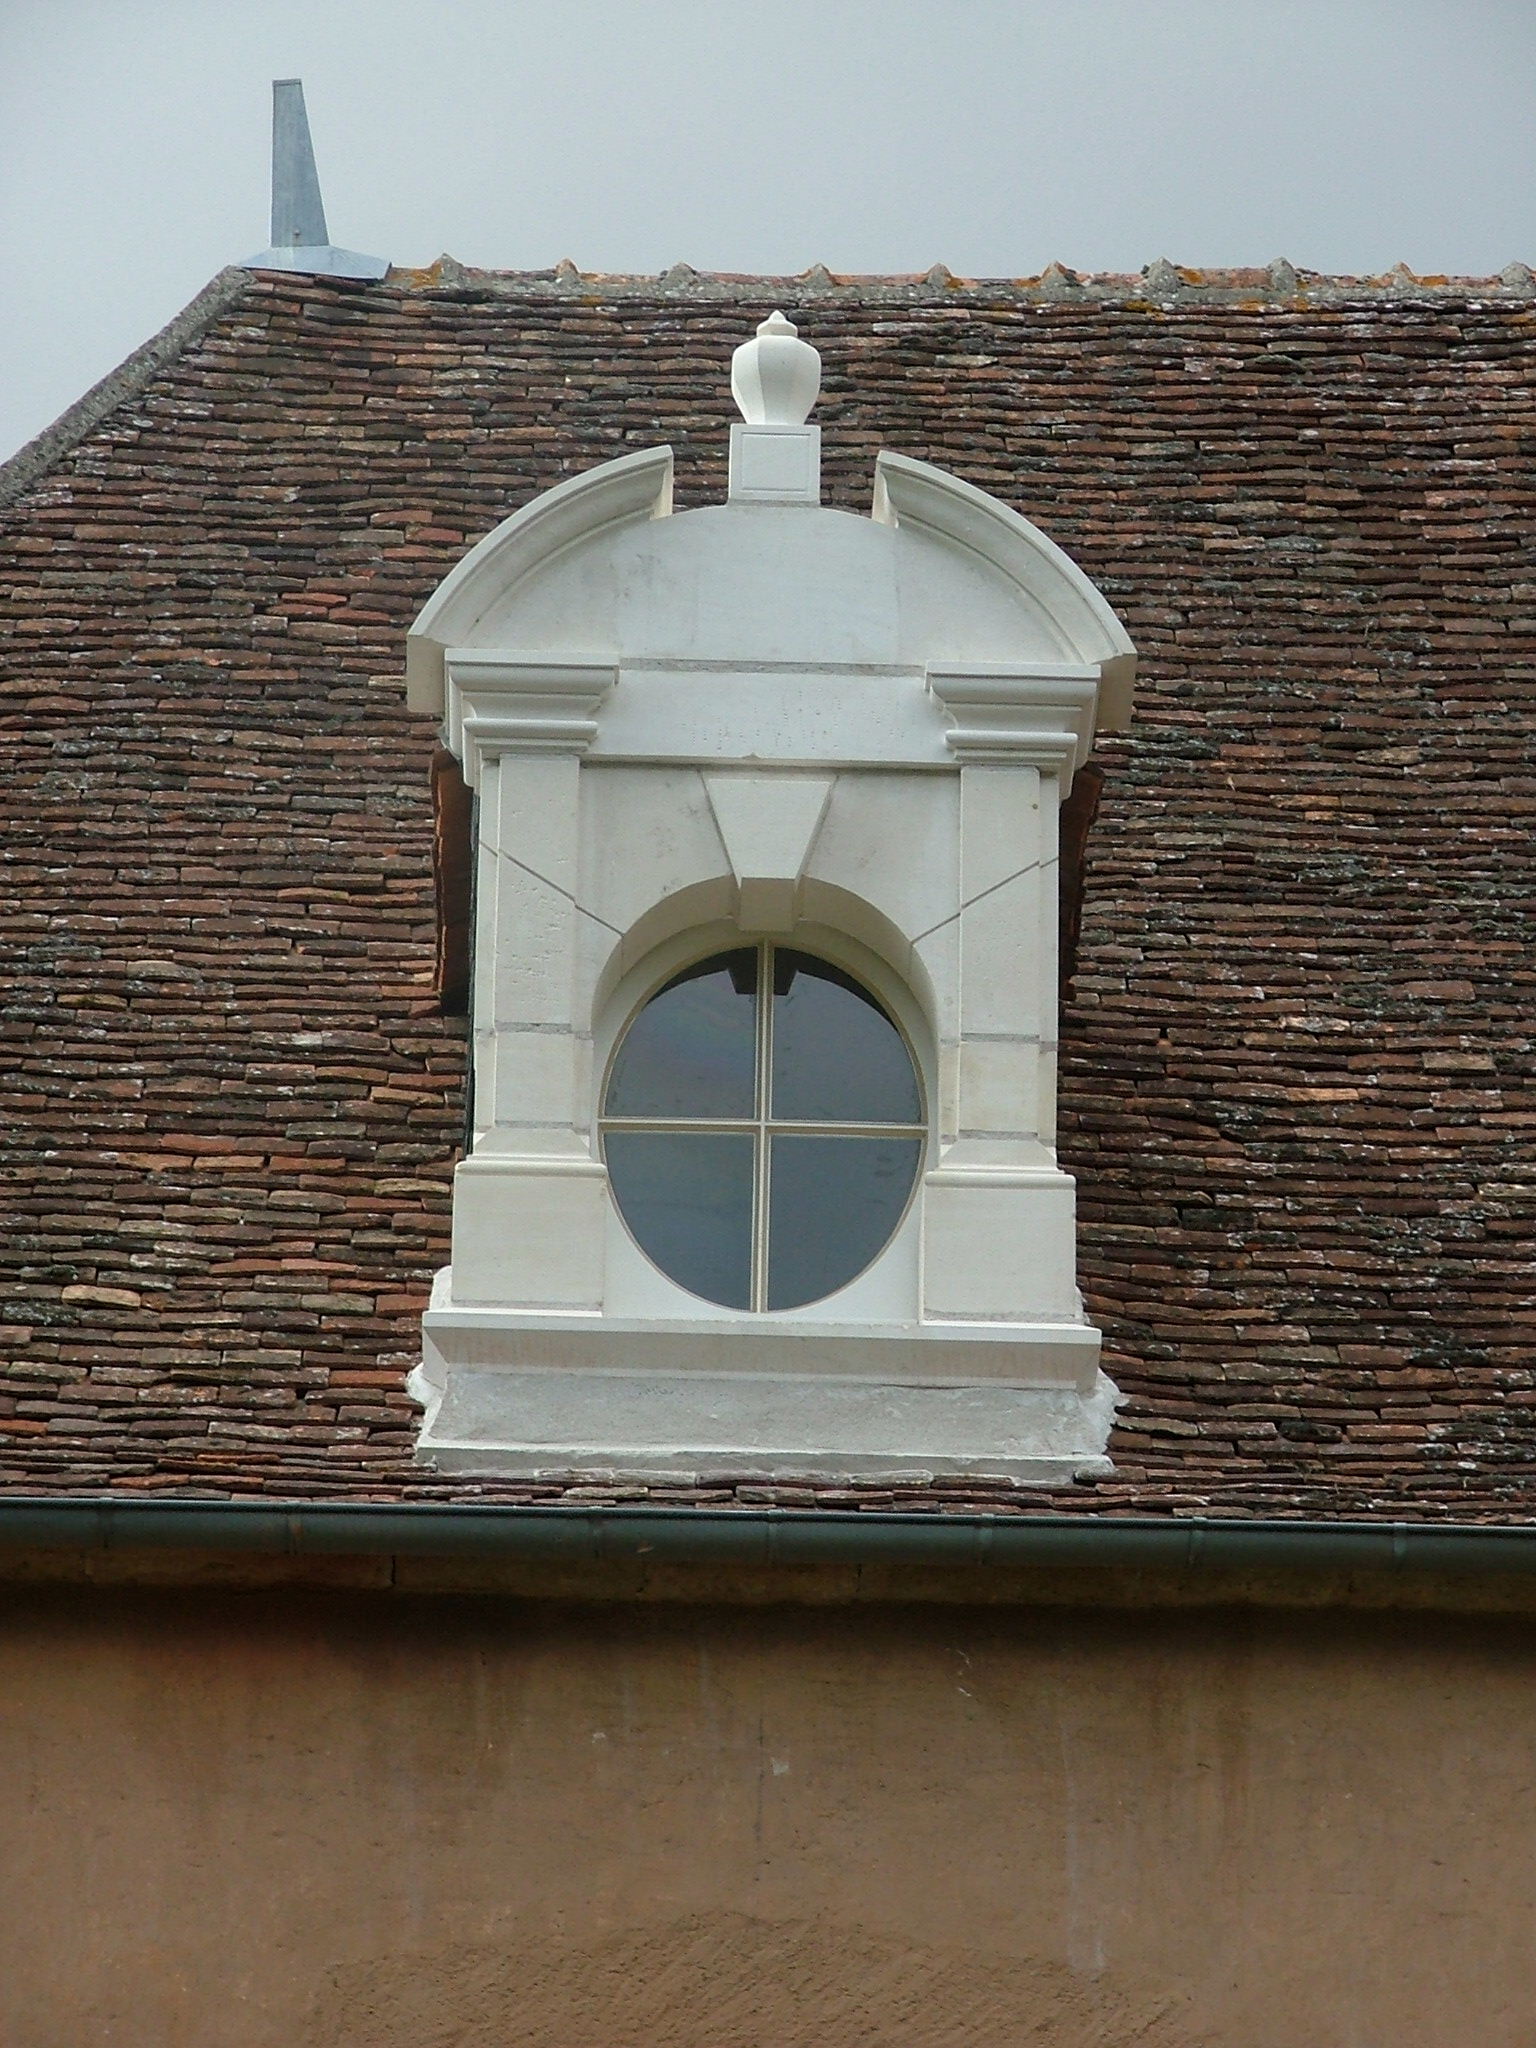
{"points": [[837, 1057], [687, 1198], [832, 1205], [692, 1051]]}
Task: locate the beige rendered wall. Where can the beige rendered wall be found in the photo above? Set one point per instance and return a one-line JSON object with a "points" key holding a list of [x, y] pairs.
{"points": [[230, 1818]]}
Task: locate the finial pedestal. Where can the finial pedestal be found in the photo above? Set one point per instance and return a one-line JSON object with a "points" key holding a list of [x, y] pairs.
{"points": [[775, 465], [775, 456]]}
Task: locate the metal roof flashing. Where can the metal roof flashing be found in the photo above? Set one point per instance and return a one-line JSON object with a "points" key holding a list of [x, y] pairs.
{"points": [[300, 239]]}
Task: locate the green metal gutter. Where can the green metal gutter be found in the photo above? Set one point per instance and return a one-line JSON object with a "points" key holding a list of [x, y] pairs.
{"points": [[754, 1537]]}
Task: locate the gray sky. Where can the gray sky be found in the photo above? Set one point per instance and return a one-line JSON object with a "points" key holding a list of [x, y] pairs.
{"points": [[756, 135]]}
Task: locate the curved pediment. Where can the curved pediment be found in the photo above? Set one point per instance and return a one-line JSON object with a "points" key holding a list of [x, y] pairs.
{"points": [[777, 629], [614, 495], [917, 497], [941, 578]]}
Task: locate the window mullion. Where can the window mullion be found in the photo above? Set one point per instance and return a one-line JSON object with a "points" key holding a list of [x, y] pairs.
{"points": [[730, 1126]]}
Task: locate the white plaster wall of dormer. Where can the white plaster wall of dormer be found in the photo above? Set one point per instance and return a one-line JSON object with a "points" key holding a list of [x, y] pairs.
{"points": [[766, 719]]}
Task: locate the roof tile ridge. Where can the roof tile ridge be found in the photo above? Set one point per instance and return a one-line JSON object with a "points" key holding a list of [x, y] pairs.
{"points": [[1276, 282], [37, 458]]}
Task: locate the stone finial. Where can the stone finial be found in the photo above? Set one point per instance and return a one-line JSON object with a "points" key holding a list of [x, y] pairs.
{"points": [[775, 377]]}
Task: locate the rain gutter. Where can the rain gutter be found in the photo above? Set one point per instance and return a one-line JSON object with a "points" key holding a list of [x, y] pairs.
{"points": [[763, 1537]]}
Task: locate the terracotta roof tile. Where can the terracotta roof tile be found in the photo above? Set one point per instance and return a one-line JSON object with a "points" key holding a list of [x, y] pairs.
{"points": [[1297, 1065]]}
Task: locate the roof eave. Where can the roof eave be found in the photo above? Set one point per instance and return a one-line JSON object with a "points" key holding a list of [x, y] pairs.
{"points": [[769, 1537]]}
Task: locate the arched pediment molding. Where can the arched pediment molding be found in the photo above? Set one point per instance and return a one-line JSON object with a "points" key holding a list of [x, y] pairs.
{"points": [[919, 497], [621, 493]]}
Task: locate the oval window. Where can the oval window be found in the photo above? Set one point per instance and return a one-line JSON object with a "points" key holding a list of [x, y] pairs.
{"points": [[762, 1127]]}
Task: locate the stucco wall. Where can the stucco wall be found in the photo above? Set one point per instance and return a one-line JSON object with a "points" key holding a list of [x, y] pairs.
{"points": [[232, 1818]]}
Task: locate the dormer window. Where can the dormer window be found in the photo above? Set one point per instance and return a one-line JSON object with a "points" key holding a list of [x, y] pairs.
{"points": [[762, 1128], [763, 1003]]}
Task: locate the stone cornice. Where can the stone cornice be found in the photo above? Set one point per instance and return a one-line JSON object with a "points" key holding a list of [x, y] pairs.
{"points": [[1041, 716], [500, 702]]}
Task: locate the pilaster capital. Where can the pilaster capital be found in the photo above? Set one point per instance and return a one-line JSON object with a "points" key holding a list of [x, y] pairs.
{"points": [[1035, 715], [501, 702]]}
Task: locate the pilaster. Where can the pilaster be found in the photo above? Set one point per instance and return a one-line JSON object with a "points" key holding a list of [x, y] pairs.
{"points": [[529, 1201], [999, 1220]]}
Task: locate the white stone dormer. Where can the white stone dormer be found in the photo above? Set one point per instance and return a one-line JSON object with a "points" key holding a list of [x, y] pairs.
{"points": [[763, 1011]]}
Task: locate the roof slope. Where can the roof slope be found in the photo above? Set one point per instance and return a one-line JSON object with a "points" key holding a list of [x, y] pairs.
{"points": [[1297, 1070]]}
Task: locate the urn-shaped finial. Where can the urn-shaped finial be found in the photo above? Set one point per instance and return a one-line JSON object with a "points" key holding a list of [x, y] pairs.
{"points": [[775, 376]]}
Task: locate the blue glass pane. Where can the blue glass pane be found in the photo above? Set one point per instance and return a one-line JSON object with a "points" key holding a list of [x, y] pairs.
{"points": [[692, 1050], [832, 1205], [687, 1198], [837, 1057]]}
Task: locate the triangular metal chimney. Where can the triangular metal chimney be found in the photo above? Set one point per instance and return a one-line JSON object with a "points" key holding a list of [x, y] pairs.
{"points": [[300, 240]]}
